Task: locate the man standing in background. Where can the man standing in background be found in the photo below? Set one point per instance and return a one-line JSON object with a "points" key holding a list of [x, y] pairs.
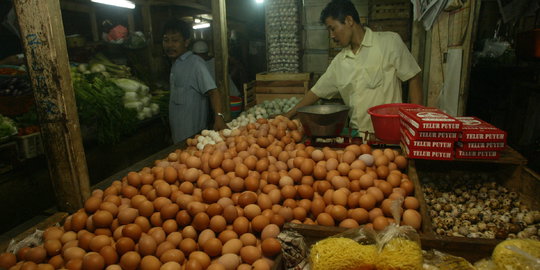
{"points": [[191, 85]]}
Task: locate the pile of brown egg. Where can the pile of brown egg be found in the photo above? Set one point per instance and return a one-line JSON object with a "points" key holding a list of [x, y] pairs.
{"points": [[223, 207]]}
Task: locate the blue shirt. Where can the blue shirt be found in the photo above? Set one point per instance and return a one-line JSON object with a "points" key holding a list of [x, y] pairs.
{"points": [[189, 106]]}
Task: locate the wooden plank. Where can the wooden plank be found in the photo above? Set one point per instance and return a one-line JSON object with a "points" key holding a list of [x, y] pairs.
{"points": [[525, 182], [147, 162], [94, 24], [48, 222], [529, 187], [86, 8], [131, 21], [263, 97], [400, 26], [148, 31], [44, 44], [221, 49], [280, 90], [472, 29], [383, 10], [507, 156], [470, 249], [283, 76], [249, 94], [419, 194], [287, 83]]}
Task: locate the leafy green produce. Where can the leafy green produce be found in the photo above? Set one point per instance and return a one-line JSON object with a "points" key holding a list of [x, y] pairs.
{"points": [[100, 63], [99, 103], [7, 127]]}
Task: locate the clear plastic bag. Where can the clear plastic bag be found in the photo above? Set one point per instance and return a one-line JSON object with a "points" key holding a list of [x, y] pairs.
{"points": [[399, 246], [354, 249], [435, 259], [514, 254]]}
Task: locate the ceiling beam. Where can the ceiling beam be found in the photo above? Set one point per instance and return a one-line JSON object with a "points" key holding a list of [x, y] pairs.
{"points": [[203, 5]]}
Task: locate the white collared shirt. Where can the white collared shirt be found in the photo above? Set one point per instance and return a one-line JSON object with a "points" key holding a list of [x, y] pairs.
{"points": [[369, 77]]}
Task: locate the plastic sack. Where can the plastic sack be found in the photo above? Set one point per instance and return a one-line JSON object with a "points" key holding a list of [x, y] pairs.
{"points": [[353, 249], [294, 250], [514, 254], [33, 240], [435, 259], [399, 246], [136, 40]]}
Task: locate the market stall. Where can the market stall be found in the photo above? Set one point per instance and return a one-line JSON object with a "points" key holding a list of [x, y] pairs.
{"points": [[424, 190]]}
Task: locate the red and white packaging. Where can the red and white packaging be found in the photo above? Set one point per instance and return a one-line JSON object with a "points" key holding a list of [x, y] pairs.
{"points": [[477, 130], [460, 153], [427, 154], [407, 138], [429, 135], [429, 119], [481, 146]]}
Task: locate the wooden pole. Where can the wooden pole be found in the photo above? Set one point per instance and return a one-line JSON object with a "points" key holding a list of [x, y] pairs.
{"points": [[146, 13], [472, 30], [221, 51], [42, 34]]}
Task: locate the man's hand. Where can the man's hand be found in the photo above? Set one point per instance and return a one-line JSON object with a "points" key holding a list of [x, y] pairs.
{"points": [[290, 114], [219, 123]]}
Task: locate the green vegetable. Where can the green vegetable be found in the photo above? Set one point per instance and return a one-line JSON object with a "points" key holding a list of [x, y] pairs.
{"points": [[96, 68], [7, 127], [99, 102], [129, 85], [119, 71]]}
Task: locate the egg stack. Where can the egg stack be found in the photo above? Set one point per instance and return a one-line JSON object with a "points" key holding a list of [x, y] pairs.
{"points": [[479, 139], [428, 133], [222, 207], [283, 35]]}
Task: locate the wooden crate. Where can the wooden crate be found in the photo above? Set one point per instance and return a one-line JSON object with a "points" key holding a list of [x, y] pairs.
{"points": [[56, 218], [266, 76], [389, 10], [249, 95], [402, 27], [509, 171], [270, 86]]}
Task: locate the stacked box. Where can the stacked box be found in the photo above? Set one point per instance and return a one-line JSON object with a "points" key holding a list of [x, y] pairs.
{"points": [[479, 139], [428, 133]]}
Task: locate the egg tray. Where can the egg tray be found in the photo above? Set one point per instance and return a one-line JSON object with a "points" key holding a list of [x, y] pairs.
{"points": [[509, 172]]}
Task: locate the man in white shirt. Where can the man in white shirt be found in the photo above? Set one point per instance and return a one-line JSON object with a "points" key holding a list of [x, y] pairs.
{"points": [[200, 48], [369, 69]]}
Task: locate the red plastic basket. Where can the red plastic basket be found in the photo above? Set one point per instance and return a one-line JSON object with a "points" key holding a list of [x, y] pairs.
{"points": [[385, 120]]}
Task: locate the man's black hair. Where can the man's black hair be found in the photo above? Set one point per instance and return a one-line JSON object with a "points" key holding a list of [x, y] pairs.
{"points": [[338, 10], [178, 26]]}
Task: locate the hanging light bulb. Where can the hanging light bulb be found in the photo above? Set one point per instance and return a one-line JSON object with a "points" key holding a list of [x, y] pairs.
{"points": [[118, 3], [201, 25]]}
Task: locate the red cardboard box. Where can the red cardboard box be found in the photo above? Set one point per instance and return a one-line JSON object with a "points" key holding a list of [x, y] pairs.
{"points": [[477, 130], [460, 153], [481, 146], [407, 138], [429, 119], [429, 135], [427, 154]]}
